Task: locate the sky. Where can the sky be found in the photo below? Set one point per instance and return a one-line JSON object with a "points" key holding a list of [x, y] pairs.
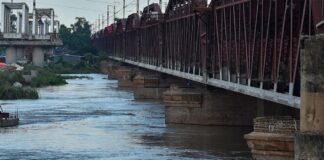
{"points": [[67, 10]]}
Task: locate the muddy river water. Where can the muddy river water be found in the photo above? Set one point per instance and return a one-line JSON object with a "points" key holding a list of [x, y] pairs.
{"points": [[93, 119]]}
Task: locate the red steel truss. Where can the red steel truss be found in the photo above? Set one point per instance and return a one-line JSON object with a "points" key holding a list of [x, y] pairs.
{"points": [[247, 46]]}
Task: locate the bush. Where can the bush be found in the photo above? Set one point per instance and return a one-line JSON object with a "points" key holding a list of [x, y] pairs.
{"points": [[47, 78], [9, 76], [11, 93]]}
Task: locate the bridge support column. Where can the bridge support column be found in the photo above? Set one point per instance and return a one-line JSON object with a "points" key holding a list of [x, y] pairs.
{"points": [[38, 56], [125, 76], [11, 55], [148, 87], [20, 53], [205, 107], [310, 140]]}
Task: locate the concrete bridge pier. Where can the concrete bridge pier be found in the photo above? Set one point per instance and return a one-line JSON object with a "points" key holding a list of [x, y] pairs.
{"points": [[38, 56], [148, 85], [309, 142], [20, 53], [11, 55], [110, 68], [125, 76], [202, 106], [17, 53]]}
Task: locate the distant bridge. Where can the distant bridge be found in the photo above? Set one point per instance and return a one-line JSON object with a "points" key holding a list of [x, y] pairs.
{"points": [[35, 34], [247, 46]]}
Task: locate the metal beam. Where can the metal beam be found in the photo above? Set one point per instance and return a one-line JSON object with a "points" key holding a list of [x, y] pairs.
{"points": [[269, 95]]}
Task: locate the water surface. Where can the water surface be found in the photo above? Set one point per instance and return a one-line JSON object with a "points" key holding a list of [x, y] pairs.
{"points": [[92, 119]]}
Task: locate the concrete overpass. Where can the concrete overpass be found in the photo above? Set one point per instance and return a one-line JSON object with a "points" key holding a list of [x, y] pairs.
{"points": [[34, 37]]}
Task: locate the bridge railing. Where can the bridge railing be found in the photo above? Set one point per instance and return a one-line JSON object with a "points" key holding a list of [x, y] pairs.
{"points": [[247, 46], [257, 43], [132, 44], [150, 50], [183, 37]]}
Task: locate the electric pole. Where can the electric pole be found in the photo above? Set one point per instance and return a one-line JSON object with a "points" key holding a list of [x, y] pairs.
{"points": [[123, 9], [99, 26], [114, 13], [103, 21], [148, 2], [95, 26], [107, 15], [137, 6], [160, 4]]}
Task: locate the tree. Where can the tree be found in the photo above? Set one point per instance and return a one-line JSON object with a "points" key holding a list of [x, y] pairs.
{"points": [[77, 38], [65, 34]]}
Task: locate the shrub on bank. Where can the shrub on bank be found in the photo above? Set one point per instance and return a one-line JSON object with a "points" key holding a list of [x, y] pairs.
{"points": [[9, 76], [44, 78], [8, 92]]}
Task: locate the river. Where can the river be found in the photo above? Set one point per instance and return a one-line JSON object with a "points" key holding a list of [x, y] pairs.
{"points": [[93, 119]]}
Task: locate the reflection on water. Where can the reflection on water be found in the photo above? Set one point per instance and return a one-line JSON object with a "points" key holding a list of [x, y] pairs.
{"points": [[92, 119]]}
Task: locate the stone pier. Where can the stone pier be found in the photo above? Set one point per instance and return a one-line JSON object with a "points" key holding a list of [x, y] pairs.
{"points": [[273, 138], [201, 106], [211, 106], [125, 76], [148, 85], [111, 67], [310, 140]]}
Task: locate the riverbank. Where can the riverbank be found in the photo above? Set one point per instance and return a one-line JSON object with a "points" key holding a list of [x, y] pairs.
{"points": [[22, 84], [81, 68]]}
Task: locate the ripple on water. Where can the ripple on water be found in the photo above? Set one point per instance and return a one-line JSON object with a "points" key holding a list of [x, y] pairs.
{"points": [[92, 119]]}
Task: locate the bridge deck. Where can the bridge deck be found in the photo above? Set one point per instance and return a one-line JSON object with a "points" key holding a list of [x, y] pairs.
{"points": [[269, 95]]}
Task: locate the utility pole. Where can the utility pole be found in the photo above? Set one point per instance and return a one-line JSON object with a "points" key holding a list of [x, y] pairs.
{"points": [[160, 4], [98, 22], [99, 26], [95, 26], [103, 21], [123, 9], [148, 2], [114, 13], [107, 15], [137, 6]]}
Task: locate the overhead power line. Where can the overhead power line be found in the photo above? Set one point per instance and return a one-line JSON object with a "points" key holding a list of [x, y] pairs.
{"points": [[71, 7]]}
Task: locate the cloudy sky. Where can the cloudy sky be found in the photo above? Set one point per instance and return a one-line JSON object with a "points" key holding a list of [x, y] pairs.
{"points": [[67, 10]]}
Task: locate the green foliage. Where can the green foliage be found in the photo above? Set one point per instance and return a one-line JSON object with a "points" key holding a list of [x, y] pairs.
{"points": [[9, 92], [9, 76], [77, 38], [45, 77]]}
